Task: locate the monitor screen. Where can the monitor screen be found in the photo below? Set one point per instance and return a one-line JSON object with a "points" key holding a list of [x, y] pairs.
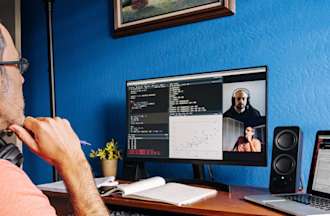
{"points": [[321, 168], [206, 117]]}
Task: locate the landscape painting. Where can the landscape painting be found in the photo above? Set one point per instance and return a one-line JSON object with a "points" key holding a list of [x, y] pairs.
{"points": [[135, 16], [133, 10]]}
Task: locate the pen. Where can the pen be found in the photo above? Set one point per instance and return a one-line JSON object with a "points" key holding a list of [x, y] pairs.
{"points": [[83, 142]]}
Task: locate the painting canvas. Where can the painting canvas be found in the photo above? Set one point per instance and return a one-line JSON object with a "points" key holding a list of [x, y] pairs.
{"points": [[133, 10], [144, 15]]}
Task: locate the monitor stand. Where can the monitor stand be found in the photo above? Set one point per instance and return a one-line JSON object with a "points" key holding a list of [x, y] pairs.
{"points": [[134, 170], [199, 179]]}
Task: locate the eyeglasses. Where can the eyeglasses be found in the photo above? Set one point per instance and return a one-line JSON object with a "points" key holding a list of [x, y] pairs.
{"points": [[22, 64]]}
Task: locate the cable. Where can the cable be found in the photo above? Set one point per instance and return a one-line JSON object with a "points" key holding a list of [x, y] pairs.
{"points": [[301, 185], [210, 172]]}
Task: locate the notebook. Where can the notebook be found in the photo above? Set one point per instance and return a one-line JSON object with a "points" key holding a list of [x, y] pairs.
{"points": [[317, 199], [156, 189]]}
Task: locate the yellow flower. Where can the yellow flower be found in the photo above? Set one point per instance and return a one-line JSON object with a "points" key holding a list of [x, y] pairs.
{"points": [[110, 151]]}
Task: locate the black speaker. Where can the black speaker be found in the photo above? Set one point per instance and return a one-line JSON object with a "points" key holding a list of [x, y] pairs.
{"points": [[285, 166]]}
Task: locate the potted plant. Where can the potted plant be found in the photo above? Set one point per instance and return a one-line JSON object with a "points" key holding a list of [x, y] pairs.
{"points": [[109, 156]]}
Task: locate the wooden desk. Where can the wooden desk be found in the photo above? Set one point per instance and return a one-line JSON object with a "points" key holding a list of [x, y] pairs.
{"points": [[223, 204]]}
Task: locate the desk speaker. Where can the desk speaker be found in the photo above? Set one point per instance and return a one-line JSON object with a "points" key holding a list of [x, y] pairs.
{"points": [[285, 166]]}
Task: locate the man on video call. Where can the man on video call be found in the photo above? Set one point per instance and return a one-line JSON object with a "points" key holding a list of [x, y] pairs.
{"points": [[52, 139], [241, 109]]}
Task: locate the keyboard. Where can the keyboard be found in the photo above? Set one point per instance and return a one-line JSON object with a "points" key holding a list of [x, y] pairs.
{"points": [[125, 213], [307, 199]]}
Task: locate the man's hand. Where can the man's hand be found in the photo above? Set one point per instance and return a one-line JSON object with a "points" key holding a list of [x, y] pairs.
{"points": [[52, 139], [56, 142]]}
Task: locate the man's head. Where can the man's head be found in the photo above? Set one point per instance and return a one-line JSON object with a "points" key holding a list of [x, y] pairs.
{"points": [[240, 99], [11, 83]]}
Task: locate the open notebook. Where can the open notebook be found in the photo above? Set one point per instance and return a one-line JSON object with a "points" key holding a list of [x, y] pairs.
{"points": [[156, 189]]}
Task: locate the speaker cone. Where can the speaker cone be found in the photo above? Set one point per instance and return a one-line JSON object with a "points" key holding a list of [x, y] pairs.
{"points": [[284, 164], [286, 140]]}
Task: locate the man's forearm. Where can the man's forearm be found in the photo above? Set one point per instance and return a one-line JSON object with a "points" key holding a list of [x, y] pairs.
{"points": [[82, 190]]}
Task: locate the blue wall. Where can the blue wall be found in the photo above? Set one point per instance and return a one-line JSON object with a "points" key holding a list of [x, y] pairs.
{"points": [[292, 38]]}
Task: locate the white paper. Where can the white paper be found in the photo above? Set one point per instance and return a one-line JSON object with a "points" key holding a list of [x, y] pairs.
{"points": [[141, 185], [175, 193]]}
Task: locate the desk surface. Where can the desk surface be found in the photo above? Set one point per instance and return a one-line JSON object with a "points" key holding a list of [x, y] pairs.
{"points": [[225, 203]]}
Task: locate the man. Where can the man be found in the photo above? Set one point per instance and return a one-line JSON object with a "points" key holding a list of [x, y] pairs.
{"points": [[51, 139], [241, 108]]}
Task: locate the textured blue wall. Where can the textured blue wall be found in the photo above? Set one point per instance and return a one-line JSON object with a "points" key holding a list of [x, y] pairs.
{"points": [[292, 38]]}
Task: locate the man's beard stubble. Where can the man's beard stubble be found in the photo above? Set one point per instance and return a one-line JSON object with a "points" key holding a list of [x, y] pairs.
{"points": [[11, 109]]}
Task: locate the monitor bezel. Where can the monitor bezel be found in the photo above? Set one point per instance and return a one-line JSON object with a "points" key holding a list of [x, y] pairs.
{"points": [[261, 163]]}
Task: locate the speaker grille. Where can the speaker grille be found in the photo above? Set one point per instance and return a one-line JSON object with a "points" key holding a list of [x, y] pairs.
{"points": [[286, 140]]}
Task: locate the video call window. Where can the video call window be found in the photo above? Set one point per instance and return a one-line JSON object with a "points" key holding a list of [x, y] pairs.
{"points": [[244, 115]]}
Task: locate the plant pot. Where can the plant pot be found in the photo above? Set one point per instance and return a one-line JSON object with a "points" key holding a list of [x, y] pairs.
{"points": [[109, 167]]}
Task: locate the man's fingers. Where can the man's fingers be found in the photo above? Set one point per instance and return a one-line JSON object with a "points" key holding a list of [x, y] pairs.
{"points": [[25, 136], [31, 124]]}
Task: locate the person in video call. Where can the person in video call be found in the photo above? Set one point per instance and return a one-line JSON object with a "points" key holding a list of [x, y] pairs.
{"points": [[241, 109], [52, 139], [247, 143]]}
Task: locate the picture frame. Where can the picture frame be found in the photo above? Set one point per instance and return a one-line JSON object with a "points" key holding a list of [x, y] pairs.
{"points": [[137, 16]]}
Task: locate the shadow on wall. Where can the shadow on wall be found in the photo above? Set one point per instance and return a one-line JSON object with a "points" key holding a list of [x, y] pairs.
{"points": [[110, 18], [113, 125], [114, 121]]}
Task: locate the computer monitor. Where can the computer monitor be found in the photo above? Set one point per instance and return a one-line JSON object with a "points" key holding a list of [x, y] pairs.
{"points": [[211, 117]]}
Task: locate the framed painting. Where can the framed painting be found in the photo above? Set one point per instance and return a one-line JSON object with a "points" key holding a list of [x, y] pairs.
{"points": [[137, 16]]}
